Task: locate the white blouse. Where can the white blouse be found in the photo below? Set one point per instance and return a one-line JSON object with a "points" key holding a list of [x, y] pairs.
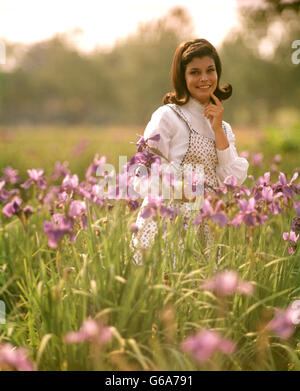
{"points": [[174, 139]]}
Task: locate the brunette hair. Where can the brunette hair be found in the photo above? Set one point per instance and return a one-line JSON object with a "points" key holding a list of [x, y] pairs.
{"points": [[184, 54]]}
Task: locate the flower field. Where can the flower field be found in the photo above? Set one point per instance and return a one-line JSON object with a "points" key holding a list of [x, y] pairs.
{"points": [[75, 299]]}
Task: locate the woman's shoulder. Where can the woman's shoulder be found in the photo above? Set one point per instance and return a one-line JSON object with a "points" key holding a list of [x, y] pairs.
{"points": [[163, 119], [163, 111]]}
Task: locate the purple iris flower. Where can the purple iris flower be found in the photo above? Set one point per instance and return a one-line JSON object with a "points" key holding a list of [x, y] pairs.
{"points": [[154, 202], [264, 180], [257, 159], [204, 344], [292, 237], [60, 170], [284, 322], [59, 226], [15, 358], [13, 207], [133, 205], [264, 191], [144, 155], [237, 220], [134, 228], [90, 331], [248, 214], [51, 195], [230, 181], [143, 143], [287, 188], [28, 211], [78, 209], [166, 212], [35, 177], [268, 194], [297, 207], [226, 283], [277, 159], [243, 191], [244, 154], [220, 218], [146, 158], [97, 195], [275, 208], [207, 208], [92, 169], [11, 175], [5, 195], [217, 215], [247, 206], [83, 191], [295, 226], [70, 182]]}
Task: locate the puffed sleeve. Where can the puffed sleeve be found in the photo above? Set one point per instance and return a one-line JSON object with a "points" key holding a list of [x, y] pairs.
{"points": [[159, 124], [229, 161]]}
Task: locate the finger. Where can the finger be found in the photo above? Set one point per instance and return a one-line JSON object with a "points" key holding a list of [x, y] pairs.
{"points": [[212, 112], [210, 117], [211, 105], [216, 100], [214, 108]]}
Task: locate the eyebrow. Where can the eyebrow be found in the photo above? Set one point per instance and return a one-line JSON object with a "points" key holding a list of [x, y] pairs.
{"points": [[199, 68]]}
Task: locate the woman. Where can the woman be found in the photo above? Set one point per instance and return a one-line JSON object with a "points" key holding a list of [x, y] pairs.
{"points": [[191, 128]]}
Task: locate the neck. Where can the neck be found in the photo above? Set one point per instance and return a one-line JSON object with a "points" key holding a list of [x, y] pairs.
{"points": [[198, 101]]}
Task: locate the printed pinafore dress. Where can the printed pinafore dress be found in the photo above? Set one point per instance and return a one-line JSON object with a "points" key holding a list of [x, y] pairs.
{"points": [[201, 150]]}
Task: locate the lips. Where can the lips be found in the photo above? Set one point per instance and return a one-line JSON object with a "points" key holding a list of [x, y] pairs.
{"points": [[204, 86]]}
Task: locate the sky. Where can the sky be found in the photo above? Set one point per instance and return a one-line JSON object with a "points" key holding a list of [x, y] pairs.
{"points": [[103, 22]]}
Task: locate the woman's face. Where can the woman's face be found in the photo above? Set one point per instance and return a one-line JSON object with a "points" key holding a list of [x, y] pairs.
{"points": [[201, 78]]}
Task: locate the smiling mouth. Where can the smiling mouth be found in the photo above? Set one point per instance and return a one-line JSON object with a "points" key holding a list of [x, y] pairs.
{"points": [[204, 87]]}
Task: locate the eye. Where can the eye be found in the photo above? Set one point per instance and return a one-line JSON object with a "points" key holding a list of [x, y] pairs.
{"points": [[211, 69]]}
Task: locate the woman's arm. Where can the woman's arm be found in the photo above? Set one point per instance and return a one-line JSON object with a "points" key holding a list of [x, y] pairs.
{"points": [[229, 161], [159, 124]]}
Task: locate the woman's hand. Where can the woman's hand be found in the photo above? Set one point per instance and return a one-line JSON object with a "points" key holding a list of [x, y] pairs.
{"points": [[214, 113]]}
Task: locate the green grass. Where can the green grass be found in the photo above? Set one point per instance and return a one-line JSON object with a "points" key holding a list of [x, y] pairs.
{"points": [[41, 146], [152, 307]]}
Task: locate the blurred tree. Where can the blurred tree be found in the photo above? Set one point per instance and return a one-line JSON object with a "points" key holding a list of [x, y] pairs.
{"points": [[139, 65], [270, 23], [257, 61], [53, 82]]}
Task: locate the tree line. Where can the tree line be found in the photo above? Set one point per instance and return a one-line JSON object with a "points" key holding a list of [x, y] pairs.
{"points": [[54, 82]]}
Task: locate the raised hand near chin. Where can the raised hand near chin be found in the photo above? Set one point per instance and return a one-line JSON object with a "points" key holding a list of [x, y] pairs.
{"points": [[214, 113]]}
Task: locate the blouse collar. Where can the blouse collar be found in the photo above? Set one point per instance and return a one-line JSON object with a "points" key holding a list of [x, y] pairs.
{"points": [[194, 106], [198, 120]]}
